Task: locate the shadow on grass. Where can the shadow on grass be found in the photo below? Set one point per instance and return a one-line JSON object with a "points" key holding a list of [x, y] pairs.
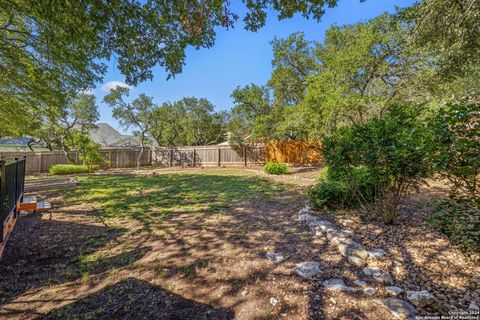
{"points": [[137, 299], [151, 199], [44, 252]]}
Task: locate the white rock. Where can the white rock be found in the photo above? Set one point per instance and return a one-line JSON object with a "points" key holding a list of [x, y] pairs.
{"points": [[307, 269], [383, 278], [400, 309], [473, 307], [244, 292], [360, 283], [421, 298], [337, 285], [370, 271], [273, 301], [348, 247], [356, 261], [306, 217], [369, 291], [377, 254], [393, 290], [277, 257]]}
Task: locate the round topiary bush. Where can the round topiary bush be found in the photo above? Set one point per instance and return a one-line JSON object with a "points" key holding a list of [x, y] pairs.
{"points": [[276, 167]]}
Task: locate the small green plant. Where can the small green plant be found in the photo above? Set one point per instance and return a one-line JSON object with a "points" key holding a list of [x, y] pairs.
{"points": [[60, 169], [276, 167], [460, 221]]}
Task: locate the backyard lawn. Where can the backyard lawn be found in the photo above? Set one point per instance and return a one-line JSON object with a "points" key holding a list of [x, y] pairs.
{"points": [[191, 244]]}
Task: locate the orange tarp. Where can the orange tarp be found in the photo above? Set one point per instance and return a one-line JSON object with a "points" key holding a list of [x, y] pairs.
{"points": [[297, 152]]}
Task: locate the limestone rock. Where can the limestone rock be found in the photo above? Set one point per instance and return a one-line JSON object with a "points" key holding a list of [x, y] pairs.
{"points": [[383, 278], [306, 217], [369, 291], [337, 285], [308, 269], [273, 301], [356, 261], [360, 283], [393, 290], [277, 257], [400, 309], [421, 299], [370, 271], [377, 254], [348, 247]]}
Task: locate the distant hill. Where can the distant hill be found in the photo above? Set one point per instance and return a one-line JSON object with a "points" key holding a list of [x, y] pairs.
{"points": [[107, 136]]}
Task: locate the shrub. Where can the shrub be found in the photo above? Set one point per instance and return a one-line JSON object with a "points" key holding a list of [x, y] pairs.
{"points": [[395, 151], [275, 167], [336, 190], [460, 221], [457, 148], [59, 169], [89, 150]]}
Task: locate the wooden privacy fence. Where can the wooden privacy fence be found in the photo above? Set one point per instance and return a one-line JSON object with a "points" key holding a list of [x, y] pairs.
{"points": [[208, 156], [38, 162], [296, 152], [292, 152]]}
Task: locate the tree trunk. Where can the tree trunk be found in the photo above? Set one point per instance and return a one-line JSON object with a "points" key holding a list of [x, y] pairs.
{"points": [[65, 150], [139, 158]]}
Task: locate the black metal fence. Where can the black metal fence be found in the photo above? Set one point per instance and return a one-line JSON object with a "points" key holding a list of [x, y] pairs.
{"points": [[12, 184]]}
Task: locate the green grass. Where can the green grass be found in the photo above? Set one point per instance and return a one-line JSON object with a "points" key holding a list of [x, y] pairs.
{"points": [[151, 199]]}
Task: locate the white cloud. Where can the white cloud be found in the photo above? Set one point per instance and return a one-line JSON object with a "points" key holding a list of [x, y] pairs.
{"points": [[106, 87]]}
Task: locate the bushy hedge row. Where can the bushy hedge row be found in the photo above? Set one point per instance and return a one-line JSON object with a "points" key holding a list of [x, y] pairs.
{"points": [[276, 167], [59, 169]]}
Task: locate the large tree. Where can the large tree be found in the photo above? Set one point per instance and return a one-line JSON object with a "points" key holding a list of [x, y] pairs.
{"points": [[188, 122], [56, 127], [137, 114], [51, 50], [364, 67], [293, 62], [449, 29]]}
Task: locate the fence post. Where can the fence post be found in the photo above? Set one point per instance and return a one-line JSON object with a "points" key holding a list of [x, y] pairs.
{"points": [[219, 155], [2, 194], [171, 157], [39, 162], [245, 155], [194, 157], [16, 187]]}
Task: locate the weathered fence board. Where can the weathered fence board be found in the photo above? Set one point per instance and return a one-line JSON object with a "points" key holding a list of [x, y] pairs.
{"points": [[38, 162], [294, 152], [208, 156]]}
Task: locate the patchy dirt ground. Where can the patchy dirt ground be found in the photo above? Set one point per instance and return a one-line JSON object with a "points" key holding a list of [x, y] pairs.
{"points": [[74, 263]]}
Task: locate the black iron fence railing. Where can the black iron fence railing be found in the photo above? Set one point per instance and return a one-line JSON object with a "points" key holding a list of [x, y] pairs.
{"points": [[12, 184]]}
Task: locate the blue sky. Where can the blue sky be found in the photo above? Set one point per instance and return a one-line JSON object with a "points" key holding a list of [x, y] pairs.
{"points": [[239, 57]]}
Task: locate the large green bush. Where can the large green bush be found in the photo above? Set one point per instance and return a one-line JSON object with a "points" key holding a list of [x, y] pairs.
{"points": [[59, 169], [338, 190], [276, 167], [395, 149], [460, 221], [457, 148]]}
